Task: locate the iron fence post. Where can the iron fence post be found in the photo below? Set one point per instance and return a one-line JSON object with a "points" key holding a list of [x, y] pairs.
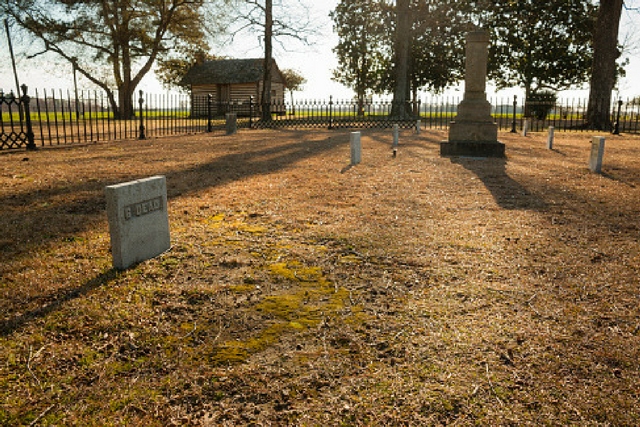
{"points": [[515, 105], [251, 112], [26, 99], [209, 112], [330, 112], [140, 102], [616, 126]]}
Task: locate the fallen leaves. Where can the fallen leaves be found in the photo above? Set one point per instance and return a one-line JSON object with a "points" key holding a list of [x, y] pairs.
{"points": [[413, 290]]}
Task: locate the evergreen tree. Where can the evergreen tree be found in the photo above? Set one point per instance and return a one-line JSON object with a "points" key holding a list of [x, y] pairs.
{"points": [[540, 45], [436, 55], [361, 49], [384, 48]]}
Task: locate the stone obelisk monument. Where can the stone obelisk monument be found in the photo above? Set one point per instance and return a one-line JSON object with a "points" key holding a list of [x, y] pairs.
{"points": [[474, 132]]}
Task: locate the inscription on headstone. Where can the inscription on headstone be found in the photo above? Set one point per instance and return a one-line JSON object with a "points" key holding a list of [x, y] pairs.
{"points": [[138, 220], [142, 208]]}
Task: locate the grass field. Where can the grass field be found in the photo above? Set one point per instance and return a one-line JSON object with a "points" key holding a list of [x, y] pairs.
{"points": [[300, 290]]}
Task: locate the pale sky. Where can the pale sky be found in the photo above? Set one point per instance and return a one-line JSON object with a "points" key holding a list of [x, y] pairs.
{"points": [[313, 62]]}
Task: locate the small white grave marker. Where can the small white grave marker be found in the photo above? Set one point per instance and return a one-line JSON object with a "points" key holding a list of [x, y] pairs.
{"points": [[356, 148], [550, 137], [396, 136], [138, 220], [525, 127], [597, 153], [418, 124]]}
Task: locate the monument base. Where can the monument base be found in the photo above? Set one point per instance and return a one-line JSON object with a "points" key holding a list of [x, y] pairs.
{"points": [[471, 149], [465, 130]]}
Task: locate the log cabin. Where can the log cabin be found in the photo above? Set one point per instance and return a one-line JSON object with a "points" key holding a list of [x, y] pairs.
{"points": [[232, 82]]}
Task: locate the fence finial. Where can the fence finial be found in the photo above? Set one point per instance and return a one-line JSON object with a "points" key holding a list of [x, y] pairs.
{"points": [[616, 126], [515, 107], [141, 102]]}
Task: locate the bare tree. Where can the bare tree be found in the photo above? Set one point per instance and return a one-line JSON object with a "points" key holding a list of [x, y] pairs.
{"points": [[291, 22], [268, 59], [125, 37]]}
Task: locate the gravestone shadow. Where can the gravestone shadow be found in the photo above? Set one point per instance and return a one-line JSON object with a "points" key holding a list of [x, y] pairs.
{"points": [[54, 303], [507, 192]]}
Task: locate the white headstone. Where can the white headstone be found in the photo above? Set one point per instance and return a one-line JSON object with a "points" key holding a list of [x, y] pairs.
{"points": [[597, 153], [396, 136], [525, 127], [418, 126], [356, 148], [550, 137], [138, 220]]}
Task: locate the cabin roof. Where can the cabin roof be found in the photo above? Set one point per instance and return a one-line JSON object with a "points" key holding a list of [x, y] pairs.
{"points": [[229, 71]]}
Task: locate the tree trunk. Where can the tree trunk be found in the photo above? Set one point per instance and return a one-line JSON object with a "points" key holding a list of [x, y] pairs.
{"points": [[125, 103], [361, 96], [403, 27], [268, 60], [527, 100], [603, 71]]}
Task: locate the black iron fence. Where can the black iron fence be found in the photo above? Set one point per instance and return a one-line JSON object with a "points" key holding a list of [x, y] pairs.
{"points": [[62, 117], [55, 117]]}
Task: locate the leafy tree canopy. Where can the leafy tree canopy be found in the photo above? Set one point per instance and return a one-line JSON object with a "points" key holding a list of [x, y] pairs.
{"points": [[367, 49], [363, 46], [436, 58], [540, 45], [171, 70], [293, 80]]}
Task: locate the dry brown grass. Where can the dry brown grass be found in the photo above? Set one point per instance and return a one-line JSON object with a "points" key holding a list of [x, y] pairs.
{"points": [[415, 290]]}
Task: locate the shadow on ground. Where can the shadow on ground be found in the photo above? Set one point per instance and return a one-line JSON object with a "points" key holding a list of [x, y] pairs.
{"points": [[56, 301], [507, 192], [76, 206]]}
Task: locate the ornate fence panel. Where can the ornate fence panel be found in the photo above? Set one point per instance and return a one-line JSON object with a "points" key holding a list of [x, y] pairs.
{"points": [[338, 114], [16, 130]]}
